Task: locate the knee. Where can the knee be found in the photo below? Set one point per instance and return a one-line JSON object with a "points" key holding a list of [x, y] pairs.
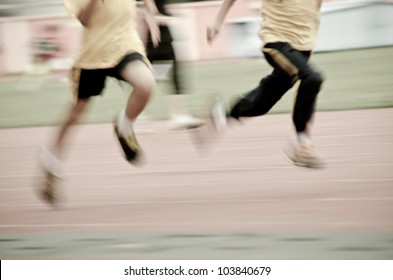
{"points": [[145, 88], [314, 81]]}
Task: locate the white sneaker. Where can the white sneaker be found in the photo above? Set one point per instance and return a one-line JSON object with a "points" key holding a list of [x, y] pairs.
{"points": [[52, 170], [178, 122], [50, 163], [303, 155], [218, 115]]}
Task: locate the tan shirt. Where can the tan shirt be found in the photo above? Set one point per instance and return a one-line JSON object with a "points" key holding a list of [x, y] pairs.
{"points": [[111, 34], [292, 21]]}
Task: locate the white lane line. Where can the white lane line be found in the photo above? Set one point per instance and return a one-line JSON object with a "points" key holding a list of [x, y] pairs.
{"points": [[104, 162], [204, 184], [158, 172], [228, 169], [207, 201], [227, 141], [339, 180]]}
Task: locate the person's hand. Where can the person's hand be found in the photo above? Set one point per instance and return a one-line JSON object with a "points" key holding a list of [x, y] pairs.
{"points": [[154, 29], [155, 35], [212, 32]]}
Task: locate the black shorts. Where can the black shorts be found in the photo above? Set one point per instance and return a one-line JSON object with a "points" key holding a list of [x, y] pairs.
{"points": [[91, 82]]}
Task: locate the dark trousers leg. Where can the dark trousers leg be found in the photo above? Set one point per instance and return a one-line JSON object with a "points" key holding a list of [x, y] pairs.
{"points": [[175, 73], [261, 99], [305, 103], [289, 66], [166, 52]]}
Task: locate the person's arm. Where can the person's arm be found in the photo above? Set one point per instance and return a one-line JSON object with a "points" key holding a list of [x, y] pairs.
{"points": [[214, 29], [150, 12], [151, 7], [85, 14], [160, 18], [163, 19]]}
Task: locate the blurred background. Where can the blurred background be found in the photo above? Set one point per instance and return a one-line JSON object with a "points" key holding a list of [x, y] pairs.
{"points": [[242, 200], [38, 41]]}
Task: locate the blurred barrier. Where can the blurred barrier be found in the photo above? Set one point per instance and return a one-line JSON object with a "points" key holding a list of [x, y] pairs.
{"points": [[344, 25], [30, 41], [32, 5], [26, 41], [28, 5], [46, 38], [356, 24]]}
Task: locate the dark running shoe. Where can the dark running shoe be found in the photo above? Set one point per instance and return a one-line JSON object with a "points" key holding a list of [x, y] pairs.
{"points": [[129, 144], [49, 191]]}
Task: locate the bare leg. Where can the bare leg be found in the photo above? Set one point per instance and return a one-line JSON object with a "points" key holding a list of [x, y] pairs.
{"points": [[51, 160], [142, 80], [76, 111]]}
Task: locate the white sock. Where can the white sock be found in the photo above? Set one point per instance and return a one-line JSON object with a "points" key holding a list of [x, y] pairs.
{"points": [[50, 162], [303, 139], [126, 126]]}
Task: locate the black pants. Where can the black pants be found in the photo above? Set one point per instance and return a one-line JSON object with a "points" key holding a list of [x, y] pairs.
{"points": [[165, 52], [289, 66]]}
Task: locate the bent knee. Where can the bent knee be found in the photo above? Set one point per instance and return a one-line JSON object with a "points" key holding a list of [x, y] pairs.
{"points": [[140, 77], [144, 88], [315, 79], [142, 82], [313, 82]]}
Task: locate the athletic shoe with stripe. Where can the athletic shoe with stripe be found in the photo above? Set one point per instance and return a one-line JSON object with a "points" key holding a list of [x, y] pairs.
{"points": [[129, 144]]}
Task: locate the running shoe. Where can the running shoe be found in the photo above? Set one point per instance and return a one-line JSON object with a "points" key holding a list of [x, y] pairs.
{"points": [[49, 180], [129, 144], [303, 155]]}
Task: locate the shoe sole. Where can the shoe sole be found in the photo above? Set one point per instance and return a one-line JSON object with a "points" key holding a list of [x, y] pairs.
{"points": [[307, 164], [311, 163]]}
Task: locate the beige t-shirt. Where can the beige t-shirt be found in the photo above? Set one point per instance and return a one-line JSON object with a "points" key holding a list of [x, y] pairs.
{"points": [[111, 34], [292, 21]]}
